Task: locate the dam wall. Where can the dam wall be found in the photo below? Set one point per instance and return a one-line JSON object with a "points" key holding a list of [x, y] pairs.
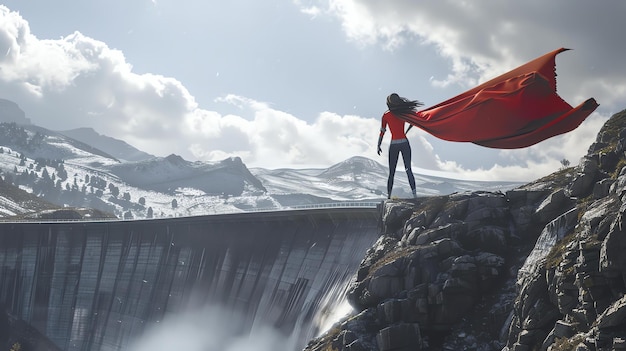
{"points": [[101, 285]]}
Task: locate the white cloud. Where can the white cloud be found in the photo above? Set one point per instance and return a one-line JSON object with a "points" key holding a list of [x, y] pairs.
{"points": [[483, 39], [77, 81], [311, 10], [273, 138]]}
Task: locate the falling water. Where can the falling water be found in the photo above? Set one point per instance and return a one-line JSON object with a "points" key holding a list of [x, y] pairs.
{"points": [[223, 282], [551, 234]]}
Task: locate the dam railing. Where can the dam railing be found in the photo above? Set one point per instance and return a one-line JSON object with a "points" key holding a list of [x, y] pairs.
{"points": [[349, 204], [319, 206]]}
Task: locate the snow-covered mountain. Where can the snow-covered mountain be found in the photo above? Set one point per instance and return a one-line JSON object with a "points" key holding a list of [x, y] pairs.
{"points": [[71, 173], [358, 179], [114, 147]]}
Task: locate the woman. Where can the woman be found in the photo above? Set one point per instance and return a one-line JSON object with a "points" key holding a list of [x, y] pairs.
{"points": [[399, 143]]}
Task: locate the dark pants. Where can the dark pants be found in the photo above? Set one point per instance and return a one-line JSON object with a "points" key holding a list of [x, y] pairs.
{"points": [[394, 152]]}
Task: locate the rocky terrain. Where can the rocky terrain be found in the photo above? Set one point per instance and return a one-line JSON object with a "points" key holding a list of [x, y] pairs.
{"points": [[539, 267]]}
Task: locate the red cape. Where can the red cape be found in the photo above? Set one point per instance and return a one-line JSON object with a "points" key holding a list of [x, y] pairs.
{"points": [[515, 110]]}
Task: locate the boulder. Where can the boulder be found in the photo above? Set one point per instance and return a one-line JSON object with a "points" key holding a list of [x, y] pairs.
{"points": [[400, 337], [601, 189], [583, 183], [614, 316], [395, 214], [553, 206]]}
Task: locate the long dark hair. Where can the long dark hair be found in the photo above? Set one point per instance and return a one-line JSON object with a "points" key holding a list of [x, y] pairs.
{"points": [[400, 105]]}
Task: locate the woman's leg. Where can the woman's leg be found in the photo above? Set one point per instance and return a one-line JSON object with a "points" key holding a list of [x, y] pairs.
{"points": [[406, 157], [394, 151]]}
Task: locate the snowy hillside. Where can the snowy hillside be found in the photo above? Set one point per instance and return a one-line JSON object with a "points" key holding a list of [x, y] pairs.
{"points": [[15, 202], [116, 148], [70, 173], [359, 179]]}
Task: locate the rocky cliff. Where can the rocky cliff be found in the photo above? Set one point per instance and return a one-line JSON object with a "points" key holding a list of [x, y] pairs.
{"points": [[539, 267]]}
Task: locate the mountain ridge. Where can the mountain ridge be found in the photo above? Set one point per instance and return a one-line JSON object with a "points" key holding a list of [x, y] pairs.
{"points": [[11, 112], [83, 168], [85, 176], [115, 147]]}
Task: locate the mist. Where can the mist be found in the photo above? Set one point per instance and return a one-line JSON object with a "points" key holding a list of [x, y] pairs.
{"points": [[210, 329]]}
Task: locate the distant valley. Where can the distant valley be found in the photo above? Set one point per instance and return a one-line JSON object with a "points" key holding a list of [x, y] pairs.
{"points": [[81, 168]]}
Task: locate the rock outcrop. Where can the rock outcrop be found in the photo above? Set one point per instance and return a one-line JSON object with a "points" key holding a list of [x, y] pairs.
{"points": [[11, 112], [540, 267]]}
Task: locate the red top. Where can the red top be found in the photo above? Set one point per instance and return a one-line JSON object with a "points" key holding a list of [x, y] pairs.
{"points": [[396, 126]]}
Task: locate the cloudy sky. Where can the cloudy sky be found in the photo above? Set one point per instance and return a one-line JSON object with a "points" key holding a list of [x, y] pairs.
{"points": [[301, 83]]}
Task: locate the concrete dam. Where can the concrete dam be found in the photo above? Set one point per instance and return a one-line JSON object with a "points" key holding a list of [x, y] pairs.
{"points": [[233, 282]]}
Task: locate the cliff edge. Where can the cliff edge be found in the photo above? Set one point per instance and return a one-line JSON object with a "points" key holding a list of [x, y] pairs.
{"points": [[539, 267]]}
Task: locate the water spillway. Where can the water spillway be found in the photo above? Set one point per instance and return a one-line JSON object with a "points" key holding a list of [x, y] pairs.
{"points": [[106, 285]]}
